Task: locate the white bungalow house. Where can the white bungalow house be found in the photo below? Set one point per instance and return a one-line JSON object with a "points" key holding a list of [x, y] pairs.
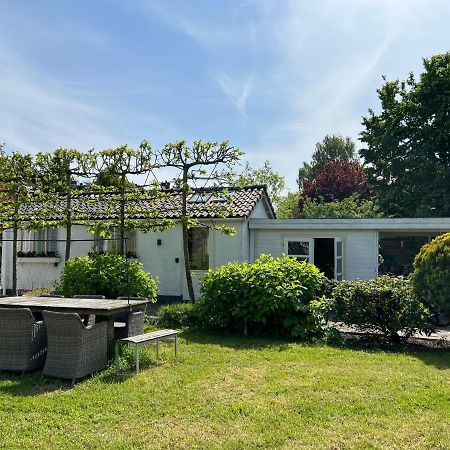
{"points": [[341, 248], [41, 253]]}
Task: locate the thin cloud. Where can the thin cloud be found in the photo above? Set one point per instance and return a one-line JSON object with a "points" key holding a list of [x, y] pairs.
{"points": [[236, 91]]}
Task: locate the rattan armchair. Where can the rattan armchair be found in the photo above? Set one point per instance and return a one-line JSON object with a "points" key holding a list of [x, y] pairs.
{"points": [[74, 350], [89, 320], [129, 323], [23, 340]]}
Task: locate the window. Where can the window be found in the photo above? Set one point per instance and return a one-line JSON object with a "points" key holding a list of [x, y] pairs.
{"points": [[198, 248], [199, 198], [302, 249], [41, 242], [103, 245]]}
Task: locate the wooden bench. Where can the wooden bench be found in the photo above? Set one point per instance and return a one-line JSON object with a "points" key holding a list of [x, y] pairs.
{"points": [[143, 339]]}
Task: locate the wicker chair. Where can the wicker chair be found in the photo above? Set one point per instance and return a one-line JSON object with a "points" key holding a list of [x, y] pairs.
{"points": [[129, 323], [89, 320], [74, 350], [23, 341]]}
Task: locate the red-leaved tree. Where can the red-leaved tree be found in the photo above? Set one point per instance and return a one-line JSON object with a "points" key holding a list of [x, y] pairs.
{"points": [[335, 181]]}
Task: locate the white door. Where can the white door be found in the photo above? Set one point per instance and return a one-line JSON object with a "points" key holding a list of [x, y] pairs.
{"points": [[338, 259], [302, 249]]}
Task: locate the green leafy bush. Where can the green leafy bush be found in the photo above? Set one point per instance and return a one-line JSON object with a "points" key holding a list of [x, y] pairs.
{"points": [[108, 274], [385, 305], [431, 276], [269, 295], [178, 315]]}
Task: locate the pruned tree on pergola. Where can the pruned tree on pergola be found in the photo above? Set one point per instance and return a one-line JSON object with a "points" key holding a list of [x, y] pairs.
{"points": [[206, 163], [128, 205], [17, 176], [58, 175]]}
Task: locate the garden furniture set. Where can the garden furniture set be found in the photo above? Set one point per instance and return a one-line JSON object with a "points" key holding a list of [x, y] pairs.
{"points": [[66, 346]]}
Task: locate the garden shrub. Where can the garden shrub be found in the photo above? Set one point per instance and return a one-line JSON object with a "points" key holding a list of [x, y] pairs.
{"points": [[385, 305], [269, 295], [177, 315], [431, 275], [107, 274]]}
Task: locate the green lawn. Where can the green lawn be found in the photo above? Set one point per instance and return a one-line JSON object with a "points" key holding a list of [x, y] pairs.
{"points": [[235, 392]]}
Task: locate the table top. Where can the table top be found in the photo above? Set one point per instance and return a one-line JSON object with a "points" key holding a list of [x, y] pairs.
{"points": [[104, 307]]}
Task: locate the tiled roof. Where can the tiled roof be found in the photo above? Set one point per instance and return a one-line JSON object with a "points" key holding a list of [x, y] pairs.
{"points": [[202, 203]]}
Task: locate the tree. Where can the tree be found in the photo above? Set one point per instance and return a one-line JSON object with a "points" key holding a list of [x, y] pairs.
{"points": [[196, 163], [265, 175], [408, 143], [128, 205], [352, 207], [335, 181], [333, 147], [57, 174], [287, 205], [17, 175]]}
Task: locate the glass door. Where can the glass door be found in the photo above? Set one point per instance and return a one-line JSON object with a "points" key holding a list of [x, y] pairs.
{"points": [[338, 259]]}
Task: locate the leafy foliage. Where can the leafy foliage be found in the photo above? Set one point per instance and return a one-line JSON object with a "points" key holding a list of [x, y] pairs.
{"points": [[386, 305], [352, 207], [286, 207], [209, 161], [408, 143], [107, 274], [265, 175], [336, 180], [431, 276], [332, 148], [178, 315], [270, 295]]}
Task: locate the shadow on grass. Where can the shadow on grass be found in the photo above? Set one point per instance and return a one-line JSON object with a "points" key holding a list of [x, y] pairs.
{"points": [[437, 357], [30, 384], [237, 341], [433, 356]]}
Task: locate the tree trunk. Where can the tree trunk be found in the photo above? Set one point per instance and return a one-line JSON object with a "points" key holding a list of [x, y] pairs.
{"points": [[14, 261], [68, 216], [184, 218], [122, 216]]}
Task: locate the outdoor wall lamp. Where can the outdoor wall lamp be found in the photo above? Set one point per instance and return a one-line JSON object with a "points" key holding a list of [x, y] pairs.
{"points": [[158, 242]]}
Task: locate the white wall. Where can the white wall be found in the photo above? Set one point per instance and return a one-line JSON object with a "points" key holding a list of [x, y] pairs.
{"points": [[360, 247], [35, 273]]}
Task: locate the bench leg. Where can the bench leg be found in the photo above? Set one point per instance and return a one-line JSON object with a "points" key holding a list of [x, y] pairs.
{"points": [[117, 357], [157, 349], [137, 359], [176, 345]]}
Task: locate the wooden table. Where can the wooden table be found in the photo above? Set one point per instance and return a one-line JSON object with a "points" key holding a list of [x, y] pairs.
{"points": [[105, 309]]}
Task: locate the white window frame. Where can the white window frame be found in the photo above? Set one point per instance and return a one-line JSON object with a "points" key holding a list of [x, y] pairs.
{"points": [[309, 257], [106, 245], [44, 240]]}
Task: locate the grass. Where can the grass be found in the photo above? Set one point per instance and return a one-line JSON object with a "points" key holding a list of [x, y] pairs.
{"points": [[235, 392]]}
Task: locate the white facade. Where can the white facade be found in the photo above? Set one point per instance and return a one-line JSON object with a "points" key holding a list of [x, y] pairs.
{"points": [[359, 238], [162, 255]]}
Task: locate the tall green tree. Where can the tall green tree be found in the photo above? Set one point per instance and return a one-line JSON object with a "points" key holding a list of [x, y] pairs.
{"points": [[287, 205], [407, 152], [202, 162], [265, 175], [333, 147]]}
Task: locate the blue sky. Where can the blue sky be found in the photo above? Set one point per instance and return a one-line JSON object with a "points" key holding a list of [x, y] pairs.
{"points": [[271, 76]]}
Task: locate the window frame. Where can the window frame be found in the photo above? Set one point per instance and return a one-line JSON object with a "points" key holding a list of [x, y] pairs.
{"points": [[204, 259], [309, 257]]}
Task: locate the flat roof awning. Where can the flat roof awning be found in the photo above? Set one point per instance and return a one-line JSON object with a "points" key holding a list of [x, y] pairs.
{"points": [[419, 224]]}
